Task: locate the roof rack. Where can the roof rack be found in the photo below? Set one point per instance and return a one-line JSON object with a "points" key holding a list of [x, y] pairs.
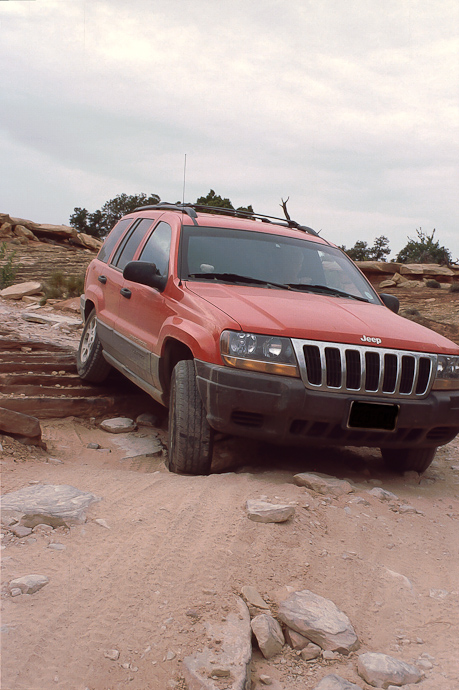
{"points": [[190, 210]]}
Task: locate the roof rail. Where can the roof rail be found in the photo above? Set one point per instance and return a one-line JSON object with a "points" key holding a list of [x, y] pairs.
{"points": [[190, 210]]}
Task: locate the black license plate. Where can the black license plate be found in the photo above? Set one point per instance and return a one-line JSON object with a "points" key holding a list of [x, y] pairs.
{"points": [[365, 415]]}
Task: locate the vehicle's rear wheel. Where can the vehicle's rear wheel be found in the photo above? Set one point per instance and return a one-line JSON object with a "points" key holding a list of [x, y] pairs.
{"points": [[91, 365], [190, 436], [406, 459]]}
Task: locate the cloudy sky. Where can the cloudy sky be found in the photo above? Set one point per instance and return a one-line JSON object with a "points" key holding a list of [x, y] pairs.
{"points": [[350, 109]]}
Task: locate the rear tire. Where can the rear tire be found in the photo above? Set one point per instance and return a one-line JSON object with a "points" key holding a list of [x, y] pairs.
{"points": [[408, 459], [91, 365], [190, 436]]}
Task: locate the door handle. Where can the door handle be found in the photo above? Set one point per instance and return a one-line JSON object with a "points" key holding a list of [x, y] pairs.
{"points": [[126, 293], [102, 279]]}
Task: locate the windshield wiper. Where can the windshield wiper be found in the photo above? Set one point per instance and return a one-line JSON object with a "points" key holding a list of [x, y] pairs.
{"points": [[236, 278], [326, 289]]}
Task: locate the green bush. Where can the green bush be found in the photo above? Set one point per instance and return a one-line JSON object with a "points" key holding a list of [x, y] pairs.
{"points": [[7, 270], [59, 286], [431, 283], [454, 287]]}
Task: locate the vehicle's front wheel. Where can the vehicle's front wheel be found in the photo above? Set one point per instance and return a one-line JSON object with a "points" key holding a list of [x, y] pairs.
{"points": [[91, 365], [190, 436], [406, 459]]}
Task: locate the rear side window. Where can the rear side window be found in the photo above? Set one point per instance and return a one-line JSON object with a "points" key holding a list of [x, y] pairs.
{"points": [[157, 248], [130, 243], [112, 239]]}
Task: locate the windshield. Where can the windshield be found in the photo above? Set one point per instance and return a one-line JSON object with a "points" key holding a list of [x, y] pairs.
{"points": [[273, 261]]}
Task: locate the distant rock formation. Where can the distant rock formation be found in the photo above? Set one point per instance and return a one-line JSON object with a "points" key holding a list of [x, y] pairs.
{"points": [[21, 231]]}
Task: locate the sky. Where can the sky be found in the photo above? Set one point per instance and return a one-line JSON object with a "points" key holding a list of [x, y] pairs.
{"points": [[350, 110]]}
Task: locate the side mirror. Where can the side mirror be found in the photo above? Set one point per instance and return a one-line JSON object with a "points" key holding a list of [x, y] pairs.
{"points": [[390, 301], [144, 273]]}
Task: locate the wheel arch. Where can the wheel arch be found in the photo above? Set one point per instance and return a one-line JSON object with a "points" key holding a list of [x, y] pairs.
{"points": [[174, 351]]}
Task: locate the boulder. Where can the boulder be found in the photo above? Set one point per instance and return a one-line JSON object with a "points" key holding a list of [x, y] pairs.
{"points": [[16, 423], [57, 231], [319, 620], [22, 231], [6, 230], [88, 241], [29, 584], [378, 267], [49, 504], [21, 290], [334, 682]]}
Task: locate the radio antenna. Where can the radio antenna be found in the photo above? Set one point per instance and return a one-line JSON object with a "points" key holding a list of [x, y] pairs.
{"points": [[184, 181]]}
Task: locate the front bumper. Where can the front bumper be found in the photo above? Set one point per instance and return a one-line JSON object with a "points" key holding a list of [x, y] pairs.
{"points": [[281, 410]]}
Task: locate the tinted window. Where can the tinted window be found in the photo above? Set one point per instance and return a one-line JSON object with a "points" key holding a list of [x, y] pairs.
{"points": [[112, 239], [130, 243], [157, 248]]}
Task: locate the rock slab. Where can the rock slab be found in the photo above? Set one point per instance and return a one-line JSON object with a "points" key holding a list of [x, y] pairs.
{"points": [[231, 663], [323, 484], [17, 423], [29, 584], [320, 620], [381, 670], [49, 504], [334, 682], [269, 635]]}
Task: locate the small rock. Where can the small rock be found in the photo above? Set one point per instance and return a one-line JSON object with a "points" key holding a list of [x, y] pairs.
{"points": [[29, 584], [93, 446], [20, 531], [334, 682], [382, 494], [56, 547], [297, 641], [260, 511], [310, 652], [102, 523], [253, 598], [329, 656], [112, 654], [15, 591], [323, 484], [381, 670], [118, 425], [147, 419]]}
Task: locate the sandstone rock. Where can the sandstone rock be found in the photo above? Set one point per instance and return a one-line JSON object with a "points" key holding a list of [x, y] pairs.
{"points": [[112, 654], [20, 531], [269, 635], [323, 484], [49, 504], [118, 425], [29, 584], [297, 641], [6, 230], [88, 241], [21, 231], [429, 270], [319, 620], [261, 511], [375, 267], [234, 654], [382, 494], [310, 652], [387, 283], [12, 422], [253, 598], [381, 670], [21, 290], [58, 231], [334, 682]]}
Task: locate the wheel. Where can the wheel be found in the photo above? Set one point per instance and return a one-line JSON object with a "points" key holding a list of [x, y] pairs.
{"points": [[190, 436], [91, 364], [406, 459]]}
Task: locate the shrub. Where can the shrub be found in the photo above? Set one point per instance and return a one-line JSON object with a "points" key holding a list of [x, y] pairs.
{"points": [[454, 287], [431, 283], [7, 270], [60, 286], [424, 250]]}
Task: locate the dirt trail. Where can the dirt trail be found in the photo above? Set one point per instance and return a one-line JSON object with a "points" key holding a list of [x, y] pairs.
{"points": [[179, 548]]}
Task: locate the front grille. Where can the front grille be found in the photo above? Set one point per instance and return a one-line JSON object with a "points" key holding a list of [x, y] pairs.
{"points": [[366, 370]]}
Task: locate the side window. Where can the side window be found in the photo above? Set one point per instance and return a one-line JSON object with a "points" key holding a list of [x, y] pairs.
{"points": [[112, 239], [157, 248], [130, 243]]}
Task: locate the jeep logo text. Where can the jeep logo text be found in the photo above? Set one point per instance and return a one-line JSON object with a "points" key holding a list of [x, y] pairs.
{"points": [[366, 339]]}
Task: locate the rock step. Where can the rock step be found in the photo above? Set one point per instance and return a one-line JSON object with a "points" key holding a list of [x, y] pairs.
{"points": [[41, 380]]}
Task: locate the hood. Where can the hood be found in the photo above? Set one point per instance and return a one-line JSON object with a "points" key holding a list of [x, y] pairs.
{"points": [[320, 317]]}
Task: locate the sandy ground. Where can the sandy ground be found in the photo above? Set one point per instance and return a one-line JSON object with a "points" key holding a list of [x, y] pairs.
{"points": [[177, 549]]}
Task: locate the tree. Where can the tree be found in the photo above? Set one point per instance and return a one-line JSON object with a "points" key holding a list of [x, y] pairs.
{"points": [[216, 201], [362, 252], [101, 221], [424, 251]]}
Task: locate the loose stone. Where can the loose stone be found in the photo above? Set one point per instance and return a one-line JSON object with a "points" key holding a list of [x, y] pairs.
{"points": [[29, 584], [118, 425], [260, 511], [323, 484], [334, 682], [269, 635], [381, 670]]}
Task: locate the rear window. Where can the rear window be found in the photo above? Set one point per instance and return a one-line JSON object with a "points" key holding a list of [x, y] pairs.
{"points": [[112, 239]]}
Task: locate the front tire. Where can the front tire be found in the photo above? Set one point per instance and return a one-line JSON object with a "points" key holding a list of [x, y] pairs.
{"points": [[408, 459], [91, 365], [190, 435]]}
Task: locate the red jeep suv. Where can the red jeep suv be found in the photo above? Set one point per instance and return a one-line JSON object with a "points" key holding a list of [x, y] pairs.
{"points": [[256, 326]]}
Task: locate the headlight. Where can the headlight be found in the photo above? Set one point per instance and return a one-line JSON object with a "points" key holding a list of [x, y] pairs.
{"points": [[447, 373], [266, 353]]}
